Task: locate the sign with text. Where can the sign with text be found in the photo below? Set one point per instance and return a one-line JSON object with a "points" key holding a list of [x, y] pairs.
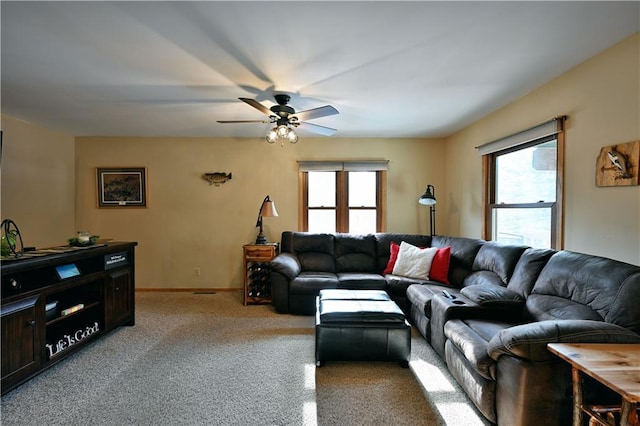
{"points": [[114, 260]]}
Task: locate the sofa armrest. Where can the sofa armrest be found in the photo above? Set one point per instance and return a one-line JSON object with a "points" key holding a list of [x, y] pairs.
{"points": [[493, 296], [286, 264], [284, 267], [529, 341]]}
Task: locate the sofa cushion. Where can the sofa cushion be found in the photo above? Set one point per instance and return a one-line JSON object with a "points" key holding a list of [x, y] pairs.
{"points": [[361, 281], [384, 245], [581, 279], [355, 253], [315, 252], [397, 285], [472, 337], [624, 310], [414, 262], [394, 249], [482, 278], [312, 282], [492, 295], [498, 258], [541, 307], [527, 270], [440, 265], [463, 252]]}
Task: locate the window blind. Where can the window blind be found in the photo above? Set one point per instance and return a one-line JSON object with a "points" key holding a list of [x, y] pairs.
{"points": [[349, 166], [548, 128]]}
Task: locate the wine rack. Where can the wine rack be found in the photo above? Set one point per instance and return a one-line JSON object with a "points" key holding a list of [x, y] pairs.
{"points": [[257, 280]]}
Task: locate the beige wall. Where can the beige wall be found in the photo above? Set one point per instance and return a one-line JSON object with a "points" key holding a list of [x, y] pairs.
{"points": [[38, 182], [602, 99], [189, 224]]}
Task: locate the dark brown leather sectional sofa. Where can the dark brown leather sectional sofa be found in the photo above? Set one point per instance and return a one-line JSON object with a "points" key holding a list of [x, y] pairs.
{"points": [[507, 303]]}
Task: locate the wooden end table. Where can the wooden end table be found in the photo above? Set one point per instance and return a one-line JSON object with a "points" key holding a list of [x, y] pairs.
{"points": [[616, 366], [257, 282]]}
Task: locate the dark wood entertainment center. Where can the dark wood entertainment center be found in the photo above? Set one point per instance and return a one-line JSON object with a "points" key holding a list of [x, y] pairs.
{"points": [[55, 301]]}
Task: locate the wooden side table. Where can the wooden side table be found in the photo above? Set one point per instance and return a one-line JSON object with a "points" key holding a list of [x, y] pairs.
{"points": [[255, 265], [616, 366]]}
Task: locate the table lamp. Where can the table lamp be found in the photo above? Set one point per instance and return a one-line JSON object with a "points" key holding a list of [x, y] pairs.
{"points": [[267, 209]]}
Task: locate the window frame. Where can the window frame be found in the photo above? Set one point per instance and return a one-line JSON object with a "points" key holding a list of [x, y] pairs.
{"points": [[342, 200], [489, 190]]}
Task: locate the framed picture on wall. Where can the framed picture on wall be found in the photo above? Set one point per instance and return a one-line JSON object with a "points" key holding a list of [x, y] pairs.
{"points": [[122, 186]]}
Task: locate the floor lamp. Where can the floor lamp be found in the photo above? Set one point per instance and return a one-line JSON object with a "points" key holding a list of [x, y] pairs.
{"points": [[429, 199]]}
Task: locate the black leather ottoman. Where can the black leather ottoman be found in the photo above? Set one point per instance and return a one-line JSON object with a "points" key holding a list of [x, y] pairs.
{"points": [[361, 325]]}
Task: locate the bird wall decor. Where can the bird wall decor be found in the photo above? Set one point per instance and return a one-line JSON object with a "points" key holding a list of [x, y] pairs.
{"points": [[620, 162], [617, 165]]}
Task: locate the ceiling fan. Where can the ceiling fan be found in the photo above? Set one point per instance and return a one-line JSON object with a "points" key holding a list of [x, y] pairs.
{"points": [[284, 116]]}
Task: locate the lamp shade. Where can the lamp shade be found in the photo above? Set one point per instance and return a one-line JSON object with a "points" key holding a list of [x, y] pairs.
{"points": [[268, 209], [428, 198]]}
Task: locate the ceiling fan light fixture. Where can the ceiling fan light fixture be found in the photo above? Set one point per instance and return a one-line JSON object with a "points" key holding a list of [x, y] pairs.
{"points": [[282, 131], [285, 119], [272, 136], [292, 136]]}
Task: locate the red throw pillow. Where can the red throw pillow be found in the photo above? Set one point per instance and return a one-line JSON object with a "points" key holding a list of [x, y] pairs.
{"points": [[440, 266], [394, 249]]}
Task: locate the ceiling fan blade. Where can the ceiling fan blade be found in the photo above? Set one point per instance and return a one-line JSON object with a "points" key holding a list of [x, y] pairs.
{"points": [[243, 121], [257, 105], [310, 114], [321, 130]]}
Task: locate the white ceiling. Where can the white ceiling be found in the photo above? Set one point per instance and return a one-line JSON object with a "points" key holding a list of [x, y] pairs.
{"points": [[392, 69]]}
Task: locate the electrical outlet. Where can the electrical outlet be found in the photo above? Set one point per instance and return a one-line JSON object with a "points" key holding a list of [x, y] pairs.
{"points": [[196, 272]]}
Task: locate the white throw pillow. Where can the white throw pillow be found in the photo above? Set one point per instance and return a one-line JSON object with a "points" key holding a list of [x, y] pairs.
{"points": [[414, 262]]}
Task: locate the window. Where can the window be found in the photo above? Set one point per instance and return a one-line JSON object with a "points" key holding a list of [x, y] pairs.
{"points": [[523, 187], [342, 197]]}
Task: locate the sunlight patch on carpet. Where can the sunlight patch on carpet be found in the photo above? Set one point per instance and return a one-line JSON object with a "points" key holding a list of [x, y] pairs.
{"points": [[430, 377], [310, 376], [310, 408], [453, 412], [309, 414]]}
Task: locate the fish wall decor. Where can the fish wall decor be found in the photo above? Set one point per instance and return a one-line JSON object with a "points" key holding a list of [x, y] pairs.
{"points": [[217, 178]]}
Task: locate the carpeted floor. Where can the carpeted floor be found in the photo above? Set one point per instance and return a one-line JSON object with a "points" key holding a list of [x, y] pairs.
{"points": [[205, 359]]}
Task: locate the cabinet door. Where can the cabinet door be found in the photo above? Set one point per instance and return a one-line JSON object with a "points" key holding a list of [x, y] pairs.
{"points": [[119, 301], [21, 353]]}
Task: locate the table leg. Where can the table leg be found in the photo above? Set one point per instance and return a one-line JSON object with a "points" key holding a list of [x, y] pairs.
{"points": [[629, 415], [577, 396]]}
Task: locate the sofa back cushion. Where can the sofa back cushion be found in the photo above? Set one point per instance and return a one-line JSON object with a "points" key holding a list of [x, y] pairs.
{"points": [[498, 258], [355, 253], [463, 253], [384, 243], [527, 270], [494, 264], [581, 286], [315, 252], [624, 311]]}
